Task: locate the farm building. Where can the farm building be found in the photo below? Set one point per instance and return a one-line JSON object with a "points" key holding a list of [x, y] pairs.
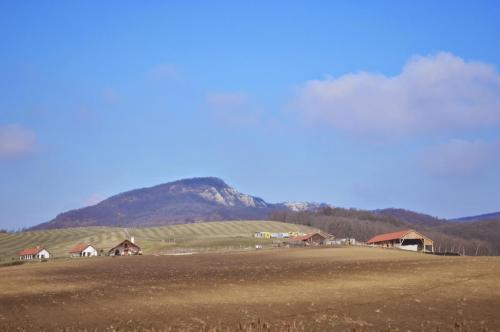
{"points": [[126, 248], [83, 250], [34, 253], [310, 239], [406, 240]]}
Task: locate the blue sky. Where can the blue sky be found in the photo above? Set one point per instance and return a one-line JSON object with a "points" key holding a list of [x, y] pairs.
{"points": [[360, 104]]}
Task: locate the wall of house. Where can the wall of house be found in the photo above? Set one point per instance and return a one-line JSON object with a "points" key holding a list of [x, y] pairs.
{"points": [[121, 249], [43, 254], [89, 251], [316, 239]]}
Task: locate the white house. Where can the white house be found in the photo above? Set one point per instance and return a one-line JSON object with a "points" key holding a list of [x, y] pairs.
{"points": [[83, 250], [34, 253]]}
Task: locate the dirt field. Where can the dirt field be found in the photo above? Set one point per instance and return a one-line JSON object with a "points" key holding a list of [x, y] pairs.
{"points": [[285, 290]]}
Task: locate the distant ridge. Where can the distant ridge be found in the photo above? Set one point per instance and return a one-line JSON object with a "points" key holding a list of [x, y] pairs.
{"points": [[487, 216], [211, 199], [182, 201], [411, 217]]}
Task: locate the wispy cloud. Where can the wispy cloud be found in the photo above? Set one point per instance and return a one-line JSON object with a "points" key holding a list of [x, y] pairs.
{"points": [[232, 108], [458, 157], [16, 142], [432, 94]]}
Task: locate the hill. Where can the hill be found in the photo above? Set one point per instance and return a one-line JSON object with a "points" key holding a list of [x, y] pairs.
{"points": [[183, 201], [481, 237], [487, 216], [198, 236], [411, 217]]}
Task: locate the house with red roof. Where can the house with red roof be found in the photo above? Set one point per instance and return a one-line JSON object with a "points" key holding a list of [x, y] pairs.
{"points": [[83, 250], [315, 238], [126, 248], [407, 240], [34, 253]]}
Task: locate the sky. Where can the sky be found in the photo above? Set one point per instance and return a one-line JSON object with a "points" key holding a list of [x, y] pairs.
{"points": [[366, 104]]}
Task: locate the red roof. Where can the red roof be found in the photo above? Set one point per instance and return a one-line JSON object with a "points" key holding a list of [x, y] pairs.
{"points": [[389, 236], [302, 237], [130, 244], [30, 251], [79, 248]]}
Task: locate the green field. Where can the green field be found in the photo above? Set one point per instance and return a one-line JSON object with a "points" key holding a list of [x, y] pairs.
{"points": [[153, 240]]}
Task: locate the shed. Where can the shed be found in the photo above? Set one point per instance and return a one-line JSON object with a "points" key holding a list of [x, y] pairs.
{"points": [[83, 250], [34, 253], [406, 240]]}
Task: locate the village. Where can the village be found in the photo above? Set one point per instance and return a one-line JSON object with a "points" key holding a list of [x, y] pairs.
{"points": [[408, 240]]}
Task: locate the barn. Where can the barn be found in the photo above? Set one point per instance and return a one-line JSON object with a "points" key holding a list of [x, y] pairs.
{"points": [[406, 240], [34, 253], [126, 248], [83, 250], [316, 238]]}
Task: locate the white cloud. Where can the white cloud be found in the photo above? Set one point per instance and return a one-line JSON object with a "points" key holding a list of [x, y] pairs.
{"points": [[232, 108], [434, 93], [461, 157], [16, 141]]}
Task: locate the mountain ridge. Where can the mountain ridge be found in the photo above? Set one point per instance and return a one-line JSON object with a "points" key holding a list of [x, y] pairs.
{"points": [[181, 201], [210, 199], [480, 217]]}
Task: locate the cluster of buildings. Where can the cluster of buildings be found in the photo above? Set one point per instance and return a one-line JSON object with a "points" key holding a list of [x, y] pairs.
{"points": [[406, 240], [298, 238], [124, 248], [282, 235]]}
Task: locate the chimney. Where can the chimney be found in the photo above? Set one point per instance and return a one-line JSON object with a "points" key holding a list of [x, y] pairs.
{"points": [[132, 239]]}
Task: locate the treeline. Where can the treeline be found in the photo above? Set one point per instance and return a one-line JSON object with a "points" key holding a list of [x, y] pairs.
{"points": [[363, 225]]}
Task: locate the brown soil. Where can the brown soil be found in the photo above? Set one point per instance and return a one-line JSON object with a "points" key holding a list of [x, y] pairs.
{"points": [[286, 290]]}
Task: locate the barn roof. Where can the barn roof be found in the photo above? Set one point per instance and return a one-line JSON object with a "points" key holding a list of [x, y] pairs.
{"points": [[306, 237], [30, 251], [389, 236], [130, 243], [79, 248]]}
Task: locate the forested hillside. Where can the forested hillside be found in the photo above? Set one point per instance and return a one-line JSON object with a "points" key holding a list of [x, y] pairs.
{"points": [[481, 238]]}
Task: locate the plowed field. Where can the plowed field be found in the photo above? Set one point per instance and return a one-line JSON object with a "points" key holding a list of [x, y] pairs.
{"points": [[299, 289]]}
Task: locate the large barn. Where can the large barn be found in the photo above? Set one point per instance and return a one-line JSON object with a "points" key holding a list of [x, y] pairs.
{"points": [[34, 253], [406, 240]]}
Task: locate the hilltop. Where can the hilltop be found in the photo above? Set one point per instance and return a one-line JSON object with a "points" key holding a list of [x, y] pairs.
{"points": [[481, 217], [182, 201]]}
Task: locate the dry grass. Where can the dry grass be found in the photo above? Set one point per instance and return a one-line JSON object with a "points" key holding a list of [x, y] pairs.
{"points": [[278, 290]]}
